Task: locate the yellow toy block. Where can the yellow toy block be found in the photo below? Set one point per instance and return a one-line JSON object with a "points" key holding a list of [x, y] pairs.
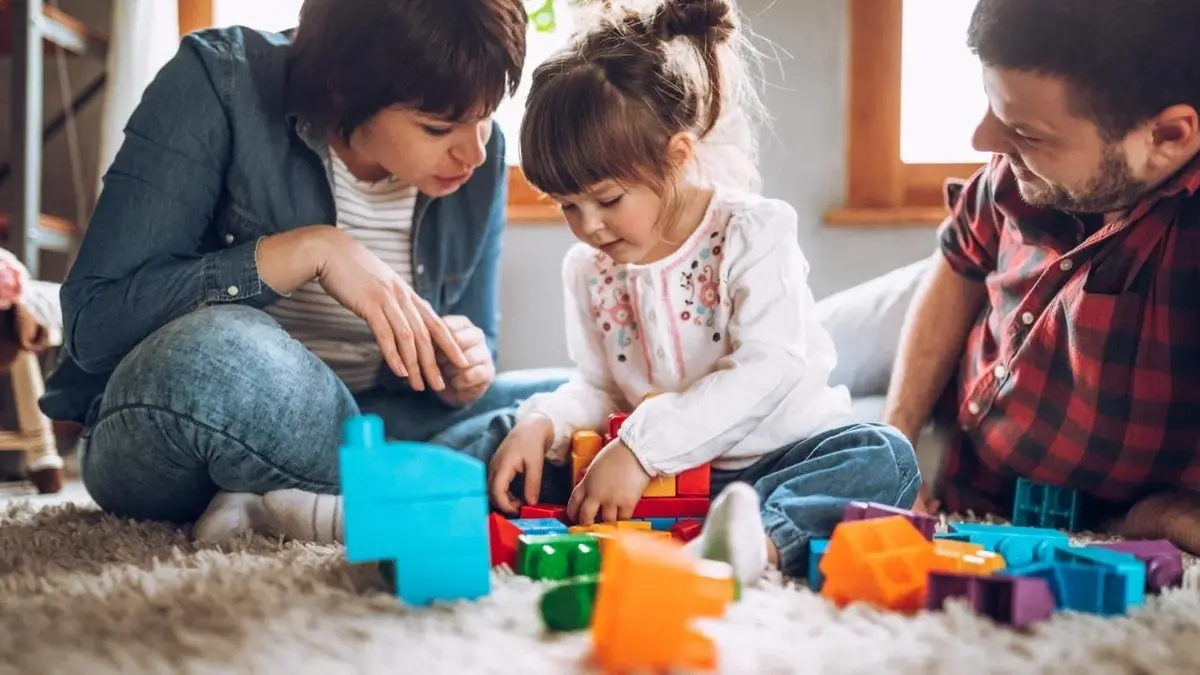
{"points": [[585, 445], [661, 486], [965, 558]]}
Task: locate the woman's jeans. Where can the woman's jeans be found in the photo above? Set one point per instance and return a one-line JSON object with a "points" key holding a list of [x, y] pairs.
{"points": [[223, 399]]}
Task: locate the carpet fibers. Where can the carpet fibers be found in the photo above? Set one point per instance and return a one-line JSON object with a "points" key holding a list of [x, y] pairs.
{"points": [[81, 592]]}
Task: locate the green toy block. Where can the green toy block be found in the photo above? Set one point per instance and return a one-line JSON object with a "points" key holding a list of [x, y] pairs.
{"points": [[557, 556], [568, 605]]}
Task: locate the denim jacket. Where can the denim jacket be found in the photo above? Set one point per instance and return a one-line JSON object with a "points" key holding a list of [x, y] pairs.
{"points": [[212, 161]]}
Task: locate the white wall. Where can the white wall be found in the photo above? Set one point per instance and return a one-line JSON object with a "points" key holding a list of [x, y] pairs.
{"points": [[803, 162]]}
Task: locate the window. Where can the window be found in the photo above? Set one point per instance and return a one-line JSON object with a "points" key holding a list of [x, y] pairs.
{"points": [[551, 21], [914, 99]]}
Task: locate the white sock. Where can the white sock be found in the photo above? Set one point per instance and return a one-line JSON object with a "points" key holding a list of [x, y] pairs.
{"points": [[307, 516], [733, 533], [228, 515]]}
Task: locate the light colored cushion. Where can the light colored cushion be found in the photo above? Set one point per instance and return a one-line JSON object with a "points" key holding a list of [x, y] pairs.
{"points": [[865, 323]]}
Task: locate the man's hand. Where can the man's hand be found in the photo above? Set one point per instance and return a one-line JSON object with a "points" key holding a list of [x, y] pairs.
{"points": [[523, 451], [466, 385], [611, 487]]}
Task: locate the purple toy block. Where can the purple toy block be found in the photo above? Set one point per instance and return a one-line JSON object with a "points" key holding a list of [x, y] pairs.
{"points": [[1016, 601], [868, 510], [1164, 562]]}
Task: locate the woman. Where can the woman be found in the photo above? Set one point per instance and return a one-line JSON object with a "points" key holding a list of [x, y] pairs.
{"points": [[219, 327]]}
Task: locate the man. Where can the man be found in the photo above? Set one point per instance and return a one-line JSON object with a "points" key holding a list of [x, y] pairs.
{"points": [[1064, 308]]}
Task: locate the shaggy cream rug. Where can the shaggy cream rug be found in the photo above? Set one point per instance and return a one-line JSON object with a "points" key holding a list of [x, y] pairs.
{"points": [[81, 592]]}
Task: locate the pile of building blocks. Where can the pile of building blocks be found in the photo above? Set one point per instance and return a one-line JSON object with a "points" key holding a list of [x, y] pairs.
{"points": [[1014, 574]]}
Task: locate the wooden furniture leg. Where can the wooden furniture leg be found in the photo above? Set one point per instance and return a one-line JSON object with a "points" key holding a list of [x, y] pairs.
{"points": [[43, 464]]}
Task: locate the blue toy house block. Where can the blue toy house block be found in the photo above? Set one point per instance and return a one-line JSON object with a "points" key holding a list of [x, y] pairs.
{"points": [[1082, 588], [1038, 505], [816, 550], [421, 507], [1131, 571], [1018, 545]]}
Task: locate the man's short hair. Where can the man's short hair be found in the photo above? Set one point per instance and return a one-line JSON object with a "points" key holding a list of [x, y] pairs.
{"points": [[1125, 61]]}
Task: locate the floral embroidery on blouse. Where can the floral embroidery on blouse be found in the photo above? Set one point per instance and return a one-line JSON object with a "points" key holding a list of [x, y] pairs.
{"points": [[700, 281], [612, 306]]}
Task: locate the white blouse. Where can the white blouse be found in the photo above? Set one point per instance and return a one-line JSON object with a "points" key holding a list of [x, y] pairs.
{"points": [[724, 332]]}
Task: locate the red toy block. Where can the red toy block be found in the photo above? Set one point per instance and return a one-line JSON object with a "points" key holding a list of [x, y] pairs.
{"points": [[544, 511], [615, 421], [502, 538], [671, 507], [686, 530], [695, 482]]}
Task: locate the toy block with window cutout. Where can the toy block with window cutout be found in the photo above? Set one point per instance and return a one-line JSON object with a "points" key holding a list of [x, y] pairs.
{"points": [[651, 595], [420, 508], [1038, 505], [881, 561]]}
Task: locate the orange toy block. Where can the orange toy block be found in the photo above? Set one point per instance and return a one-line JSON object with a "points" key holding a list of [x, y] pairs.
{"points": [[694, 482], [883, 561], [585, 445], [652, 593], [502, 538], [661, 486], [965, 558]]}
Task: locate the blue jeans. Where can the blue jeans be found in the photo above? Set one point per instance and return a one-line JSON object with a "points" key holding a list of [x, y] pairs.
{"points": [[223, 399], [805, 487]]}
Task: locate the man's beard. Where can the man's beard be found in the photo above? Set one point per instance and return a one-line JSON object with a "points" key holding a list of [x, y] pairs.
{"points": [[1113, 189]]}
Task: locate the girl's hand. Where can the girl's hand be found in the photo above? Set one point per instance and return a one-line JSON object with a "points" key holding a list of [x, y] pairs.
{"points": [[611, 487], [405, 326], [523, 451], [467, 385]]}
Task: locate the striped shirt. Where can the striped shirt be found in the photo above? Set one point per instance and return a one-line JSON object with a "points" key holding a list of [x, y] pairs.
{"points": [[379, 215]]}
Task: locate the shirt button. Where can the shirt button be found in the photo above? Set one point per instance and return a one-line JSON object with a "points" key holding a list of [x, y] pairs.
{"points": [[653, 316], [1027, 318], [232, 291], [662, 354], [1000, 371], [420, 269], [229, 239], [973, 408], [1066, 265]]}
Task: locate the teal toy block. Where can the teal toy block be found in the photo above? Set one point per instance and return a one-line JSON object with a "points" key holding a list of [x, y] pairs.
{"points": [[421, 508], [1039, 505], [662, 524], [540, 525], [1125, 565], [816, 550], [1018, 545], [1092, 589]]}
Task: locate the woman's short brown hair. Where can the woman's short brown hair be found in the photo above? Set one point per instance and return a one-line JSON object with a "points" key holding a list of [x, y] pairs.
{"points": [[349, 59]]}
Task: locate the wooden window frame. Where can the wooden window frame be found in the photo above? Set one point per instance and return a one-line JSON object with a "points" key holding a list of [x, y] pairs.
{"points": [[526, 205], [881, 189]]}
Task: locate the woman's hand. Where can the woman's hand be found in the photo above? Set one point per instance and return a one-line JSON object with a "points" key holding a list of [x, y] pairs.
{"points": [[611, 487], [467, 385], [404, 325], [523, 451]]}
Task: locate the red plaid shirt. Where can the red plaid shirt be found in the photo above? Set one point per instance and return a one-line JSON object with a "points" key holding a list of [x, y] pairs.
{"points": [[1084, 369]]}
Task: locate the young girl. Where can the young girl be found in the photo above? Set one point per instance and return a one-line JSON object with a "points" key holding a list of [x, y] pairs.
{"points": [[687, 285]]}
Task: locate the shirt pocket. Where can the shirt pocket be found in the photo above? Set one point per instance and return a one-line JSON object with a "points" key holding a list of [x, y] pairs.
{"points": [[235, 225]]}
